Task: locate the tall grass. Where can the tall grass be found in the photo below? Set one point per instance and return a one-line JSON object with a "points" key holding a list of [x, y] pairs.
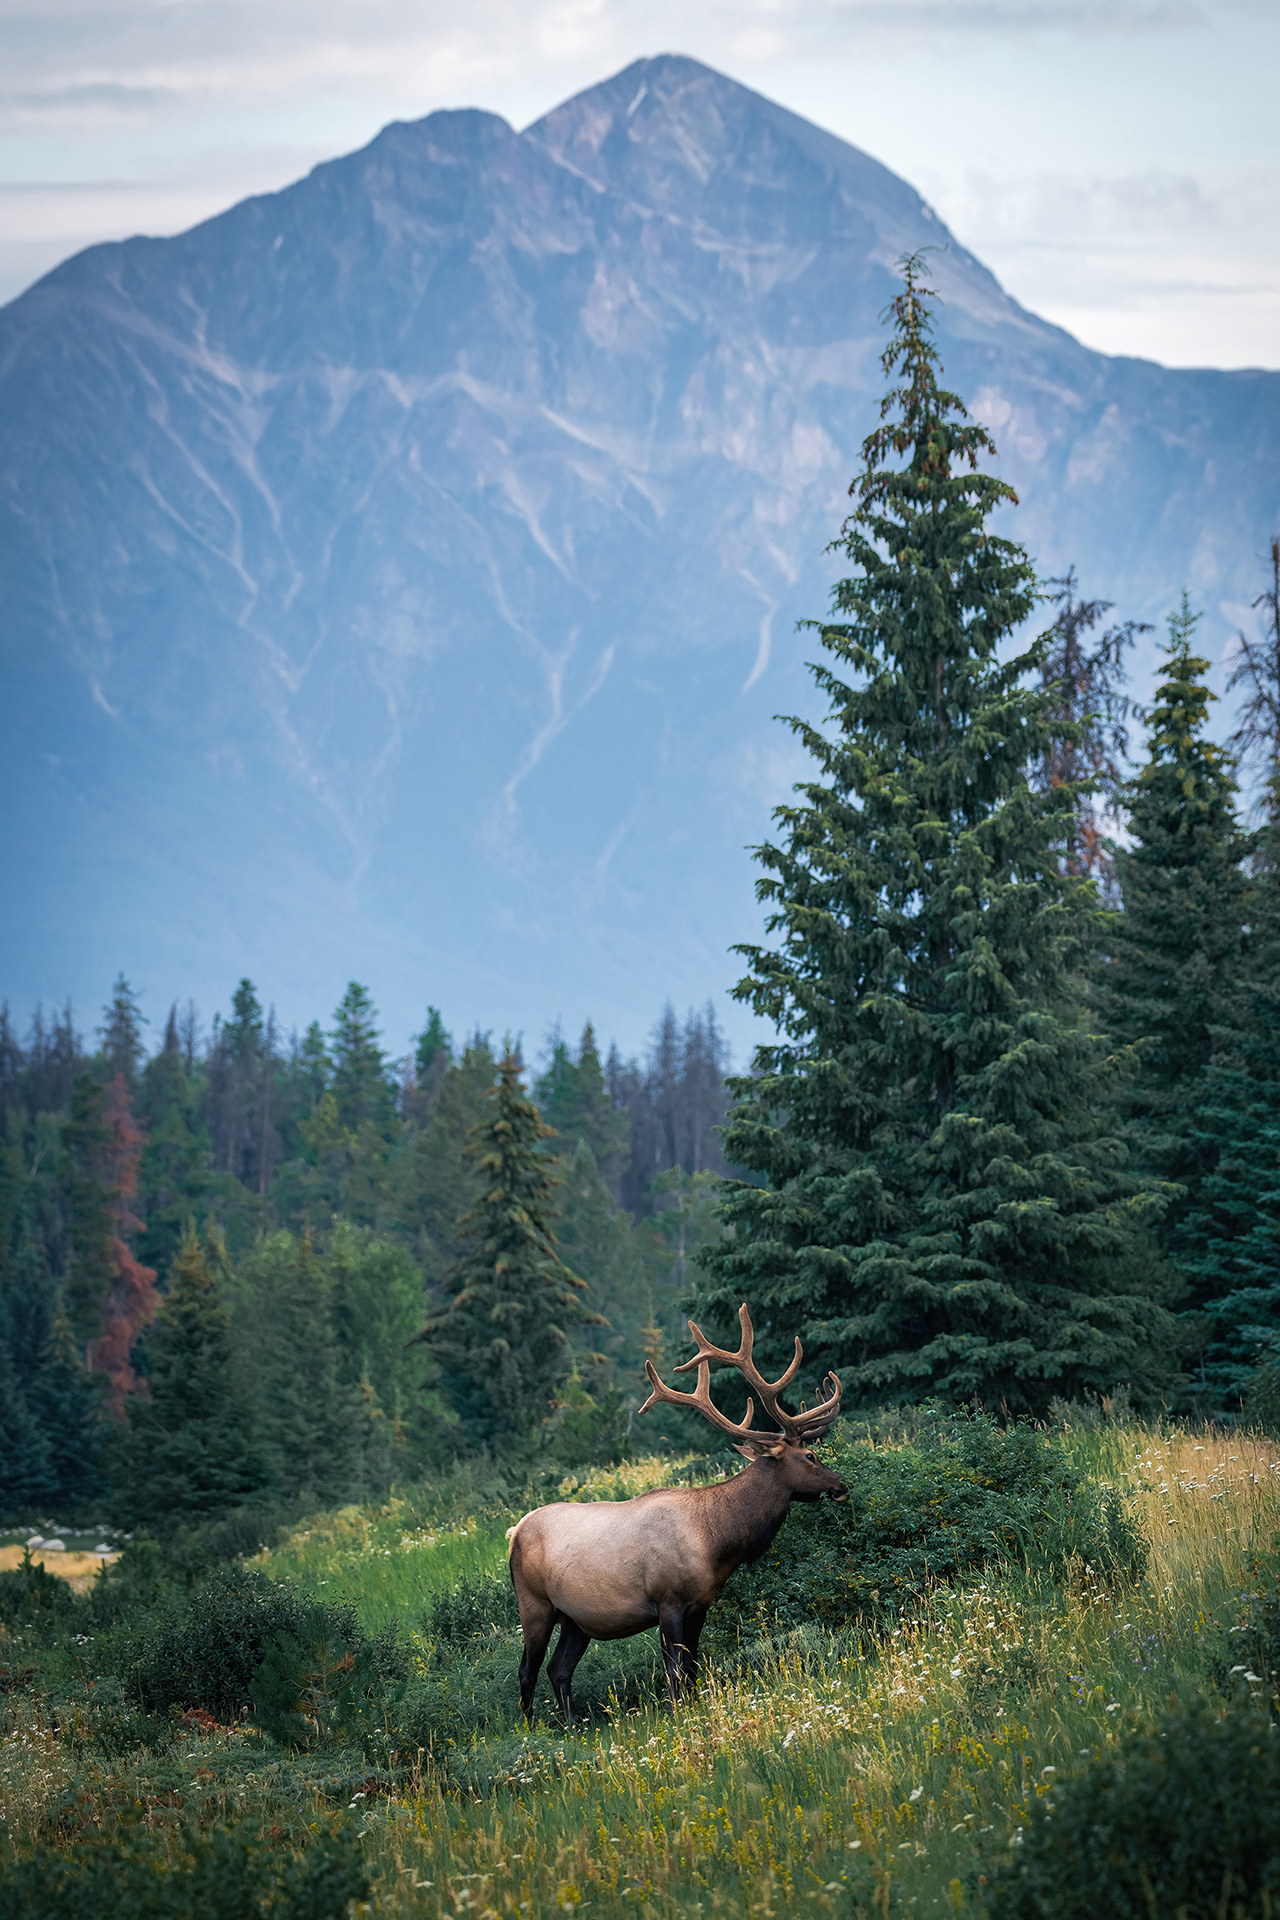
{"points": [[824, 1773], [848, 1775]]}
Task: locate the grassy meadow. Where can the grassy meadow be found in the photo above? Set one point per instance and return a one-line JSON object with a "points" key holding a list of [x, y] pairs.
{"points": [[816, 1772]]}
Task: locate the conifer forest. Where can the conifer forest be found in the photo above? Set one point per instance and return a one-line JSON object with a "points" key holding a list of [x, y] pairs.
{"points": [[299, 1322]]}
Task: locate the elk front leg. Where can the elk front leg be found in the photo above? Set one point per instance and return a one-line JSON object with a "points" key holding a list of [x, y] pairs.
{"points": [[570, 1647], [679, 1629]]}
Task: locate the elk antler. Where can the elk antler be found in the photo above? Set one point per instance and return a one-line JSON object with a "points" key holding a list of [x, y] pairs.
{"points": [[807, 1425]]}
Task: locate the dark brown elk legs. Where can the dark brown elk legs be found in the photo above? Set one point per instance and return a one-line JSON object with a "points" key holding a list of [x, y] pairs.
{"points": [[570, 1647], [537, 1623], [680, 1630]]}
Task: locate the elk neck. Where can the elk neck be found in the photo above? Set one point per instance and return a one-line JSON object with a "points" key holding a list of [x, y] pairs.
{"points": [[742, 1515]]}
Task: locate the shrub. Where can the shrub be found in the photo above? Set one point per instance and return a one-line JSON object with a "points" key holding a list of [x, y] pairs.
{"points": [[1251, 1655], [206, 1650], [965, 1492], [1184, 1820], [315, 1683], [31, 1598], [475, 1609], [227, 1873]]}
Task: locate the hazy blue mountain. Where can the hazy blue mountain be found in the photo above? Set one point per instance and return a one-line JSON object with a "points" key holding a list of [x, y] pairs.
{"points": [[401, 571]]}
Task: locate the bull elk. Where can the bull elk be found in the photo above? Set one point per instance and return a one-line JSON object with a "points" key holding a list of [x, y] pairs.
{"points": [[607, 1569]]}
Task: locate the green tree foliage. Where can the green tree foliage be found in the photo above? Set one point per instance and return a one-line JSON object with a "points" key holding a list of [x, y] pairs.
{"points": [[377, 1312], [121, 1033], [174, 1183], [67, 1402], [287, 1362], [434, 1181], [1088, 710], [27, 1474], [1227, 1235], [87, 1140], [943, 1206], [1180, 946], [574, 1099], [501, 1336], [188, 1451], [360, 1083]]}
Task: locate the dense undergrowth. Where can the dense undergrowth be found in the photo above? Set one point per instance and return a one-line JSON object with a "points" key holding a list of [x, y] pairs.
{"points": [[921, 1700]]}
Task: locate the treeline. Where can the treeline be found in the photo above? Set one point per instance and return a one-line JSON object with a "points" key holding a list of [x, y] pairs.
{"points": [[299, 1198]]}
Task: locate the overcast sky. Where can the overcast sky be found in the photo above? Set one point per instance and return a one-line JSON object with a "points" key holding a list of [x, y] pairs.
{"points": [[1114, 163]]}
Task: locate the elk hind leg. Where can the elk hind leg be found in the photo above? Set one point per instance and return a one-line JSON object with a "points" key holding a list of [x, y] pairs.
{"points": [[537, 1620], [570, 1647]]}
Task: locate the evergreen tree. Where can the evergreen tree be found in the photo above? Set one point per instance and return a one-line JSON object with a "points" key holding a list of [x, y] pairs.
{"points": [[377, 1313], [574, 1099], [287, 1361], [1179, 950], [188, 1451], [175, 1186], [1227, 1238], [435, 1181], [121, 1032], [1088, 711], [27, 1476], [501, 1337], [942, 1206], [361, 1085], [88, 1140], [66, 1401]]}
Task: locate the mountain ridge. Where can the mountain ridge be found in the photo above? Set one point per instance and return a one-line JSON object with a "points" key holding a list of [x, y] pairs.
{"points": [[428, 535]]}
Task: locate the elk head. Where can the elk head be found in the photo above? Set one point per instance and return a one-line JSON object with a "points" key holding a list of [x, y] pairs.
{"points": [[792, 1449]]}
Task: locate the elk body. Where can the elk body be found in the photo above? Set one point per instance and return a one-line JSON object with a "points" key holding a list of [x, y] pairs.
{"points": [[608, 1569]]}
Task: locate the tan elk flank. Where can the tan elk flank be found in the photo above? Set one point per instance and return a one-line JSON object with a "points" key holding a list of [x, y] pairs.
{"points": [[607, 1569]]}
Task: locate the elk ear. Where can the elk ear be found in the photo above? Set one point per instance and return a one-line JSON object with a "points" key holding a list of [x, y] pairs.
{"points": [[768, 1446]]}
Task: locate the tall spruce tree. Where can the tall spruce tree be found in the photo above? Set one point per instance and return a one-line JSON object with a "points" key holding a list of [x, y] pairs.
{"points": [[68, 1402], [1180, 945], [501, 1336], [942, 1205], [1228, 1234], [188, 1452]]}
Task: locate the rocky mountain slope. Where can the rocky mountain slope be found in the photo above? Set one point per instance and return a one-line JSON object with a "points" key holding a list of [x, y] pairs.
{"points": [[401, 571]]}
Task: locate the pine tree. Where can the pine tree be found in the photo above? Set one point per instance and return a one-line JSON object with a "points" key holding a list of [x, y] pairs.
{"points": [[501, 1338], [27, 1475], [87, 1139], [435, 1181], [942, 1207], [121, 1032], [1088, 710], [131, 1297], [188, 1451], [1180, 945], [287, 1360], [574, 1099], [174, 1182], [67, 1402], [361, 1085], [1227, 1237]]}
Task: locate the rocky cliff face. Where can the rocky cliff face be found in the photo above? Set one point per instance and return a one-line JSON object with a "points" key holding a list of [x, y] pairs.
{"points": [[401, 570]]}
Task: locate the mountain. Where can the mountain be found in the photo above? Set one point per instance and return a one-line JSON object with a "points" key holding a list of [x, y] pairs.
{"points": [[401, 570]]}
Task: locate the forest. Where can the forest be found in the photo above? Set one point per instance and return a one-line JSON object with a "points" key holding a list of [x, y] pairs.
{"points": [[1015, 1142]]}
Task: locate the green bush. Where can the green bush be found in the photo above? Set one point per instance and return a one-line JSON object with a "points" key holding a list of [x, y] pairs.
{"points": [[475, 1609], [1183, 1821], [206, 1650], [31, 1599], [1250, 1658], [963, 1493], [317, 1684], [228, 1873]]}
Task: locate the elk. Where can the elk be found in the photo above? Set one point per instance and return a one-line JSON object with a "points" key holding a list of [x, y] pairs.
{"points": [[603, 1570]]}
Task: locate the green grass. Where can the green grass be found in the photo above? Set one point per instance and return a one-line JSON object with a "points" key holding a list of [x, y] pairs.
{"points": [[819, 1774]]}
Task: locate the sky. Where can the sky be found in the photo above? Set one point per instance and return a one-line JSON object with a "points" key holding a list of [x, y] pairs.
{"points": [[1113, 161]]}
